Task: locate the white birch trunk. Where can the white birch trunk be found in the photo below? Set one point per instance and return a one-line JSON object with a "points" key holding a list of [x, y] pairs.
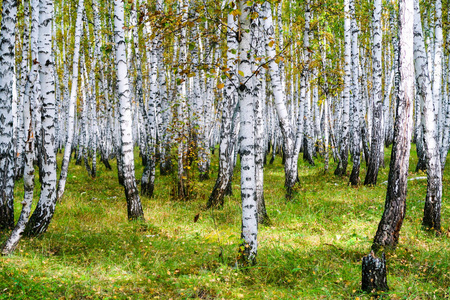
{"points": [[376, 134], [432, 211], [446, 131], [230, 98], [355, 100], [43, 213], [344, 140], [134, 206], [72, 100], [290, 166], [389, 227], [24, 69], [247, 141], [7, 40], [28, 177]]}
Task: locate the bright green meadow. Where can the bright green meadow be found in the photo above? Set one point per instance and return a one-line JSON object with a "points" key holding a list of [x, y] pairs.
{"points": [[311, 250]]}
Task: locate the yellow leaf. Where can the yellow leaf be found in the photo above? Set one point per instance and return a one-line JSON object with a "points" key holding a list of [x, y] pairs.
{"points": [[236, 12], [220, 86], [271, 43], [241, 73]]}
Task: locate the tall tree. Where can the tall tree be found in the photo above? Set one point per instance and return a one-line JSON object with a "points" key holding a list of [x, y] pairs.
{"points": [[355, 100], [291, 157], [134, 206], [230, 98], [72, 102], [377, 134], [247, 139], [43, 214], [28, 176], [344, 141], [432, 211], [7, 41], [395, 206]]}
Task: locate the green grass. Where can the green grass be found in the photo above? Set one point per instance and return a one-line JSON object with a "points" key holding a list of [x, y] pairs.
{"points": [[312, 249]]}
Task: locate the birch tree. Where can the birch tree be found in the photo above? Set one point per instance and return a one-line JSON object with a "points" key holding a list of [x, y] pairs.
{"points": [[134, 206], [377, 134], [7, 40], [230, 99], [344, 140], [432, 210], [43, 214], [355, 100], [391, 222], [446, 134], [28, 178], [249, 234], [291, 156], [72, 102]]}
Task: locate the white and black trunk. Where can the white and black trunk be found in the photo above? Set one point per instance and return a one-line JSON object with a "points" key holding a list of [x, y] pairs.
{"points": [[134, 206], [395, 206], [376, 135], [227, 145], [7, 159], [247, 141], [72, 103], [43, 214], [432, 210]]}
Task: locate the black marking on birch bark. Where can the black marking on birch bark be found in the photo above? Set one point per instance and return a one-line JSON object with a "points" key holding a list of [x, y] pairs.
{"points": [[374, 273]]}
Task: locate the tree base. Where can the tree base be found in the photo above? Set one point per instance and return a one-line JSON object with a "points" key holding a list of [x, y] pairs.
{"points": [[374, 273]]}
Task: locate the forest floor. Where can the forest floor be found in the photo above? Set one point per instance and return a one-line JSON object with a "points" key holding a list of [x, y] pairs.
{"points": [[311, 250]]}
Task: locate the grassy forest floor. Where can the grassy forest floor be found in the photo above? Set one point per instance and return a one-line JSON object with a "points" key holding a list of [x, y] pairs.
{"points": [[312, 249]]}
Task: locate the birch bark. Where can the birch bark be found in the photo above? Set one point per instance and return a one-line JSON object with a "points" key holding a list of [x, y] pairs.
{"points": [[290, 165], [344, 141], [355, 100], [377, 134], [230, 98], [28, 177], [43, 214], [432, 210], [24, 69], [72, 100], [394, 212], [247, 141], [134, 206], [7, 40]]}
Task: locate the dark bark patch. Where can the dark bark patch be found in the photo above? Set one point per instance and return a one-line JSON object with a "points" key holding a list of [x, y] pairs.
{"points": [[374, 273]]}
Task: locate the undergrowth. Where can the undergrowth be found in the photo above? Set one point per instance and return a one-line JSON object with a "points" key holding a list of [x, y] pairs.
{"points": [[311, 250]]}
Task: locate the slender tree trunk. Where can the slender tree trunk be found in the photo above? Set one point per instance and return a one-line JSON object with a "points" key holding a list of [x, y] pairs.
{"points": [[446, 134], [355, 101], [230, 97], [377, 140], [259, 94], [247, 141], [432, 211], [72, 100], [344, 141], [28, 177], [134, 206], [394, 211], [165, 165], [290, 165], [7, 40], [24, 69], [43, 214], [445, 145]]}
